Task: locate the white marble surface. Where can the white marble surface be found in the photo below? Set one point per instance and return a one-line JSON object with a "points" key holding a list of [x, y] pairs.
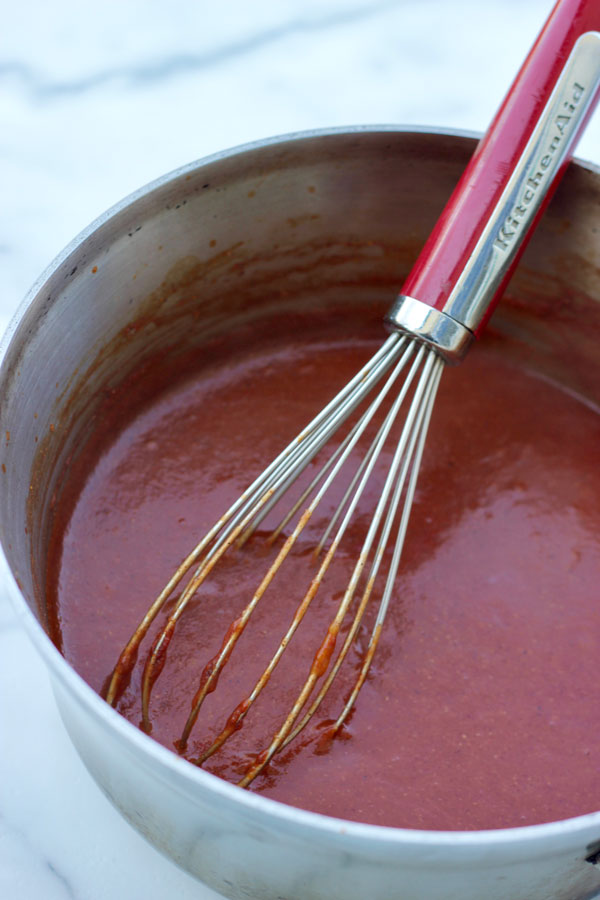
{"points": [[97, 99]]}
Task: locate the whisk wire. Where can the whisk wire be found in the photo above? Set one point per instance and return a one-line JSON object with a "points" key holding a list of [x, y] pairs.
{"points": [[312, 441], [430, 382], [323, 656], [245, 515], [420, 432], [207, 681], [228, 524]]}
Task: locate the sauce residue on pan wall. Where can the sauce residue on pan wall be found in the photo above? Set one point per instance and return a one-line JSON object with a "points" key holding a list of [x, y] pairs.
{"points": [[479, 709]]}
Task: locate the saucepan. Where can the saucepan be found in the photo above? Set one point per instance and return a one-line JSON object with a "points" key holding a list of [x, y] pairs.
{"points": [[321, 218]]}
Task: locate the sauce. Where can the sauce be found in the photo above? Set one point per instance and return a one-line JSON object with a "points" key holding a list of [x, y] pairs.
{"points": [[479, 709]]}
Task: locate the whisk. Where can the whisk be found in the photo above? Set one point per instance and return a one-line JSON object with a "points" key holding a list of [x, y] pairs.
{"points": [[445, 303]]}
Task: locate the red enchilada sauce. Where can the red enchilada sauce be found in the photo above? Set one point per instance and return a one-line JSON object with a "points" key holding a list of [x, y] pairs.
{"points": [[480, 709]]}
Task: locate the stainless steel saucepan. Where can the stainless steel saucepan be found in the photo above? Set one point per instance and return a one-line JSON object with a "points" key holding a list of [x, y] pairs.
{"points": [[277, 225]]}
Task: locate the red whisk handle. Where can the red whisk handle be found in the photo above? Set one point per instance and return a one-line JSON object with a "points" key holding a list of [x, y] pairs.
{"points": [[468, 258]]}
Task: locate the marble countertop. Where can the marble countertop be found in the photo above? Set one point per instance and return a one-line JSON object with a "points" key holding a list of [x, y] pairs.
{"points": [[96, 100]]}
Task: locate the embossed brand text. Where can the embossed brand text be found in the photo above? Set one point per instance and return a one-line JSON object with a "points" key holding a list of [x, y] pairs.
{"points": [[547, 166]]}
